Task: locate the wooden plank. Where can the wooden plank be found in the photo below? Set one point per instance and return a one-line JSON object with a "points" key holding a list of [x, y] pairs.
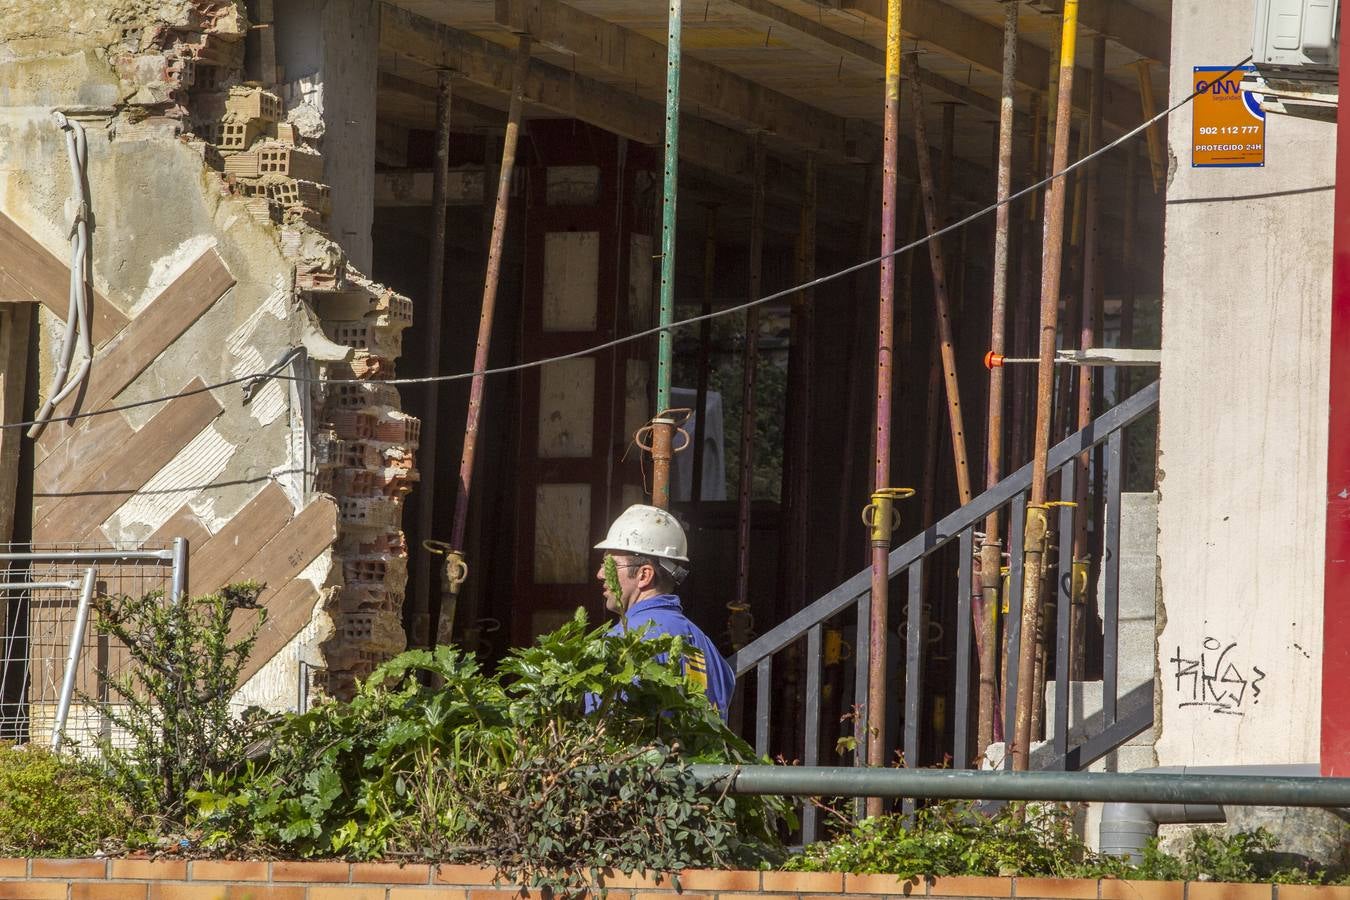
{"points": [[183, 523], [76, 513], [15, 320], [297, 545], [161, 323], [211, 564], [28, 272], [288, 611], [643, 60], [70, 460]]}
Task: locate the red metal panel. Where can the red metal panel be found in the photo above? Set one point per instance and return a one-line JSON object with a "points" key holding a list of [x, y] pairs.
{"points": [[1336, 621]]}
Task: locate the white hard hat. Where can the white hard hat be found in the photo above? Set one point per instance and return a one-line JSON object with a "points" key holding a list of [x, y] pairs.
{"points": [[647, 531]]}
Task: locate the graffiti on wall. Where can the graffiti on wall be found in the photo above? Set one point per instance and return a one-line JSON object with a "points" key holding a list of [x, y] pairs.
{"points": [[1216, 678]]}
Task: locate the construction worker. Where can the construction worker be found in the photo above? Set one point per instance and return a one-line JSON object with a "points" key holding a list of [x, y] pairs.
{"points": [[651, 556]]}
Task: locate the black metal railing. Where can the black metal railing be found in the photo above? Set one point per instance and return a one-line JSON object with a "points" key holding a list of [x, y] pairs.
{"points": [[911, 559]]}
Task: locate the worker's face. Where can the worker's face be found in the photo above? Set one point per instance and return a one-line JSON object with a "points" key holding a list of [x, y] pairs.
{"points": [[635, 576]]}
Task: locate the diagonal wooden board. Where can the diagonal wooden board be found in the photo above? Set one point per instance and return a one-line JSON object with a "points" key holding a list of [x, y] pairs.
{"points": [[288, 611], [127, 355], [29, 272], [77, 511], [185, 524], [239, 540]]}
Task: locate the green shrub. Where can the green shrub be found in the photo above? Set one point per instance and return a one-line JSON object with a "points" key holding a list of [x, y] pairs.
{"points": [[52, 805], [173, 703], [954, 838], [506, 769]]}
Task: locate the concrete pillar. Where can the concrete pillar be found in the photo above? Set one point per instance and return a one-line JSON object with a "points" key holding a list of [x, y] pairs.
{"points": [[328, 54]]}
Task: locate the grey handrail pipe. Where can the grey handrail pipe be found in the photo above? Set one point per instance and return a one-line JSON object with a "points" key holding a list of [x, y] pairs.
{"points": [[1126, 827], [947, 529], [1134, 787]]}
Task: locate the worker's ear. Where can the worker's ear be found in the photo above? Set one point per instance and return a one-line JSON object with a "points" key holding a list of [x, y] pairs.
{"points": [[646, 575]]}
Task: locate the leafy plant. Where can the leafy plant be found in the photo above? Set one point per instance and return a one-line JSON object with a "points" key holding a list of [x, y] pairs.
{"points": [[507, 769], [172, 705], [954, 838], [52, 805]]}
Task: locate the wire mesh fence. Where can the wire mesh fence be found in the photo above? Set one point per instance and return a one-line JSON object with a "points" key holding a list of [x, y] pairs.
{"points": [[40, 592]]}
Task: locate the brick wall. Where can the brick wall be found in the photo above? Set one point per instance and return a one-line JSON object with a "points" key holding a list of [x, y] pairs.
{"points": [[143, 879]]}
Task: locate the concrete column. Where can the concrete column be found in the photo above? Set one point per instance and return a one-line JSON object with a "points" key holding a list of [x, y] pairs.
{"points": [[328, 54]]}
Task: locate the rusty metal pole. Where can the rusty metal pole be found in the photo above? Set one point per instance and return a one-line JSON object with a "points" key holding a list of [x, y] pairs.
{"points": [[704, 351], [1034, 532], [1092, 310], [745, 490], [1028, 267], [946, 346], [991, 549], [455, 556], [426, 451], [881, 508], [1130, 287]]}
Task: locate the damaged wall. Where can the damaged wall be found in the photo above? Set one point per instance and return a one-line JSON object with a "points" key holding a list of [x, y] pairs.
{"points": [[209, 262]]}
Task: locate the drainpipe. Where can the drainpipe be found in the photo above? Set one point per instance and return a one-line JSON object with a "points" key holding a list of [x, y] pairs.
{"points": [[1034, 531], [1127, 827], [882, 509]]}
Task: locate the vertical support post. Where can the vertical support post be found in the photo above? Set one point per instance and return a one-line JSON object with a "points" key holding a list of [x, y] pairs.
{"points": [[881, 539], [704, 351], [178, 584], [73, 654], [430, 324], [763, 704], [946, 343], [915, 632], [811, 748], [1156, 156], [1036, 524], [797, 477], [1087, 375], [961, 737], [1115, 469], [991, 547], [1012, 611], [1336, 621], [1027, 269], [745, 488], [491, 279], [1130, 283], [663, 428]]}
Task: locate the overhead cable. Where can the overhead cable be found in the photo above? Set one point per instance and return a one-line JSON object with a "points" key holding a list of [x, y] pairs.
{"points": [[682, 323]]}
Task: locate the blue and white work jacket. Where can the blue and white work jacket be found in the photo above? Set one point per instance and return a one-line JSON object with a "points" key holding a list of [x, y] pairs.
{"points": [[703, 665]]}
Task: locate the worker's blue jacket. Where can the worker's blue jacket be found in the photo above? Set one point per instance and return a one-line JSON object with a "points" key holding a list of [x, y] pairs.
{"points": [[703, 665]]}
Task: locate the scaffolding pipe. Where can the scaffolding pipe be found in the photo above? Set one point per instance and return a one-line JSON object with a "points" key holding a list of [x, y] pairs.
{"points": [[491, 279], [1087, 375], [745, 487], [882, 509], [426, 450], [991, 548], [704, 351], [941, 301], [1034, 531], [1156, 154], [1076, 787], [663, 427]]}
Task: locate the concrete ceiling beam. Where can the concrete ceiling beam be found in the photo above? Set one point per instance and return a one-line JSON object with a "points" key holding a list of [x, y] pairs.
{"points": [[960, 36], [643, 61], [1124, 23]]}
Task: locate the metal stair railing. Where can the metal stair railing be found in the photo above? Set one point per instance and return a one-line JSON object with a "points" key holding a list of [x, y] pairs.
{"points": [[910, 557]]}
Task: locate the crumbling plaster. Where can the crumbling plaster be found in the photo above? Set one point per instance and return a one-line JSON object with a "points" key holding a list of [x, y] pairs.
{"points": [[157, 202]]}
